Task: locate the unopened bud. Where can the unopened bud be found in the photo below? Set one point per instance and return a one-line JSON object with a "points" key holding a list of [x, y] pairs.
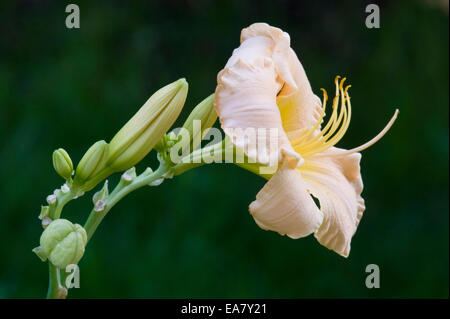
{"points": [[156, 182], [62, 292], [99, 198], [101, 194], [62, 163], [129, 175], [62, 243], [100, 205], [65, 188], [46, 221], [51, 199], [92, 162], [202, 117], [145, 129]]}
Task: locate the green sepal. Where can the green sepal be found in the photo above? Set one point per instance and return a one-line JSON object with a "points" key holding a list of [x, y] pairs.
{"points": [[44, 212], [40, 253]]}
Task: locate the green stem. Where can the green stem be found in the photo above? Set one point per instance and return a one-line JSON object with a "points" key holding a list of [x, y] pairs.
{"points": [[55, 289], [197, 158], [120, 192], [61, 202]]}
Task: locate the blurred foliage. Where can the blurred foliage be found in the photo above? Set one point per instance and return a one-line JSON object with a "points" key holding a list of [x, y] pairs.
{"points": [[193, 236]]}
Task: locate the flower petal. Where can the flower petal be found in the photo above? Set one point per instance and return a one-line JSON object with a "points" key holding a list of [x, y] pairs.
{"points": [[300, 108], [245, 98], [336, 181], [299, 111], [284, 205], [280, 50]]}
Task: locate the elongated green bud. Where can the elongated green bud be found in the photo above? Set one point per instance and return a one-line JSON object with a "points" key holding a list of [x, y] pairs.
{"points": [[92, 162], [62, 243], [137, 138], [202, 117], [62, 163]]}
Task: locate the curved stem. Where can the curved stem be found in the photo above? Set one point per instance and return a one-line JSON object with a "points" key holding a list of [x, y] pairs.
{"points": [[200, 157], [61, 202], [55, 289], [121, 190]]}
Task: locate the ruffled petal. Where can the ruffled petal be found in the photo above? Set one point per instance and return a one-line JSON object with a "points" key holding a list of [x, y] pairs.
{"points": [[245, 98], [283, 205], [336, 182], [264, 86], [280, 50], [300, 108]]}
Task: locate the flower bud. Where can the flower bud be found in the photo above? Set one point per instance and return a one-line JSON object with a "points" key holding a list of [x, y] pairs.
{"points": [[99, 198], [45, 222], [62, 243], [202, 117], [92, 162], [143, 131], [101, 194], [62, 163], [129, 175]]}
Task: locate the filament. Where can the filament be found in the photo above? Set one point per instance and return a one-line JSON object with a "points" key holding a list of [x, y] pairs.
{"points": [[372, 141], [336, 126]]}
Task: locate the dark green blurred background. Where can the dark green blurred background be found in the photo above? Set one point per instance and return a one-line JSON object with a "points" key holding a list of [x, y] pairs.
{"points": [[193, 235]]}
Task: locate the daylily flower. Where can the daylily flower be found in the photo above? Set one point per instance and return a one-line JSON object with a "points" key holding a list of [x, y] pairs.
{"points": [[264, 86]]}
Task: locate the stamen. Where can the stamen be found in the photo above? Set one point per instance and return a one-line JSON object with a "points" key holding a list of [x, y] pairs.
{"points": [[341, 114], [369, 143], [324, 130], [336, 126], [347, 115]]}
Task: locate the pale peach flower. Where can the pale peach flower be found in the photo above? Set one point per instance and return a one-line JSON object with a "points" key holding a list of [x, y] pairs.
{"points": [[264, 86]]}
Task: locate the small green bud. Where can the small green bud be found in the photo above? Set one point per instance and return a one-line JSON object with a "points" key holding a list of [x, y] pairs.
{"points": [[62, 293], [51, 199], [62, 163], [92, 162], [46, 221], [101, 194], [65, 188], [157, 182], [129, 175], [62, 243], [99, 198], [146, 128], [202, 117]]}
